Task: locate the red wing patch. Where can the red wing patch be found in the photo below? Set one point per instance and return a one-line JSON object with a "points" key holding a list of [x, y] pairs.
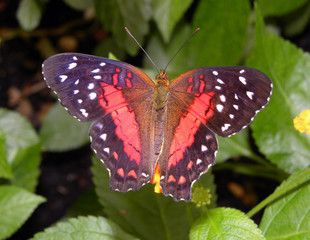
{"points": [[181, 173], [127, 129], [188, 126]]}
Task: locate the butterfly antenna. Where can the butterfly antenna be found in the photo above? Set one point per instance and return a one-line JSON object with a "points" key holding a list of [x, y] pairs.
{"points": [[142, 49], [182, 47]]}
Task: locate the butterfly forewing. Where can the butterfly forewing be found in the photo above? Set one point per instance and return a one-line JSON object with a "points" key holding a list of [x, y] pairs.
{"points": [[238, 94], [84, 82]]}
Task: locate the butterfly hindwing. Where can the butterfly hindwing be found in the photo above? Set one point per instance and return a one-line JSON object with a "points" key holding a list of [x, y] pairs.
{"points": [[189, 146]]}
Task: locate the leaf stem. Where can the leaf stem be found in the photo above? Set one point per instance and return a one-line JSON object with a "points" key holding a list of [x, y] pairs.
{"points": [[254, 170], [281, 190]]}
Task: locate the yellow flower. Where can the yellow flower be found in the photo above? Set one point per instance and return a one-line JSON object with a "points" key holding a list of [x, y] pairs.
{"points": [[302, 123]]}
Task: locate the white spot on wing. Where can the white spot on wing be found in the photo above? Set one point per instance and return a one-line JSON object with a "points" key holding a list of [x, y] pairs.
{"points": [[236, 107], [220, 81], [80, 101], [63, 78], [204, 148], [97, 77], [250, 94], [103, 136], [219, 107], [225, 127], [76, 91], [144, 175], [218, 87], [243, 80], [77, 82], [95, 70], [215, 73], [223, 98], [107, 150], [231, 116], [72, 65], [102, 64], [91, 86], [242, 71], [84, 113], [198, 161], [74, 58], [92, 96], [236, 96]]}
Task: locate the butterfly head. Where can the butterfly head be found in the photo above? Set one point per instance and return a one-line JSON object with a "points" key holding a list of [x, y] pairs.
{"points": [[162, 78]]}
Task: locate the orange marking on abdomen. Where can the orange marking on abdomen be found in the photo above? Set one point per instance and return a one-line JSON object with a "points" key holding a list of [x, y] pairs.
{"points": [[132, 173], [188, 126], [182, 180], [189, 165], [115, 155], [156, 180], [127, 129], [120, 172], [171, 179]]}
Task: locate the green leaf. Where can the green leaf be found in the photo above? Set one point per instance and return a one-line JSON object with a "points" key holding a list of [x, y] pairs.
{"points": [[19, 132], [167, 13], [61, 132], [224, 25], [297, 21], [79, 4], [225, 224], [25, 167], [234, 146], [289, 217], [22, 147], [29, 14], [273, 129], [143, 212], [87, 204], [115, 15], [5, 169], [162, 53], [109, 45], [90, 228], [279, 7], [16, 205]]}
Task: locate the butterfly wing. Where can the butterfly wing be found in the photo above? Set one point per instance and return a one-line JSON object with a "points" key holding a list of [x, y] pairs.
{"points": [[204, 101], [239, 93], [116, 97]]}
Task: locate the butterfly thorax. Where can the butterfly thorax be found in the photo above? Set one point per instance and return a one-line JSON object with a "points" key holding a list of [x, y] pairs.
{"points": [[161, 90]]}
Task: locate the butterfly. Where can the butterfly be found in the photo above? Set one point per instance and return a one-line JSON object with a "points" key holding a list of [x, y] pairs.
{"points": [[139, 125]]}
